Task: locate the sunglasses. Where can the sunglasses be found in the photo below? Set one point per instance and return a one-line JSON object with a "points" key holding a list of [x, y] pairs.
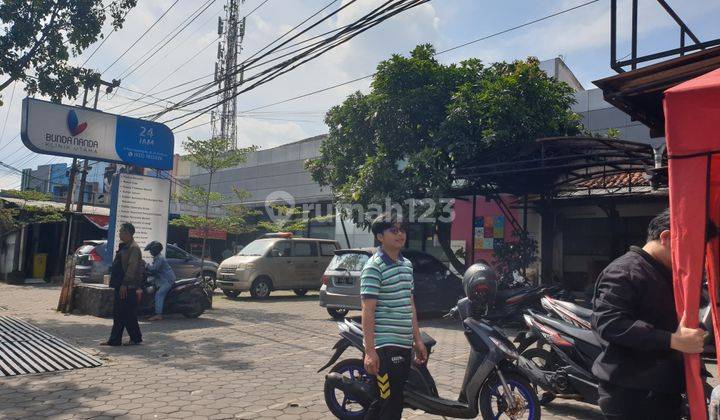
{"points": [[395, 230]]}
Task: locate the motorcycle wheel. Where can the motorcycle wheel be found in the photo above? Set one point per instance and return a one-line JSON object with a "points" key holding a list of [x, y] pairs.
{"points": [[193, 314], [342, 406], [337, 313], [493, 404], [545, 360]]}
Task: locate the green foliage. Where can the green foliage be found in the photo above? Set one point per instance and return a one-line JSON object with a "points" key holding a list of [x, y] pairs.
{"points": [[27, 195], [215, 154], [40, 36], [291, 219], [515, 255], [436, 118], [14, 217], [424, 120]]}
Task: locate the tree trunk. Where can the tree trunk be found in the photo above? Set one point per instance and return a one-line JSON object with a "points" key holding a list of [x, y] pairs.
{"points": [[443, 232], [207, 225]]}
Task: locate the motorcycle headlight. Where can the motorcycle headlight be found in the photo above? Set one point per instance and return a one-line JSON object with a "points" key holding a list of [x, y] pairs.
{"points": [[504, 348]]}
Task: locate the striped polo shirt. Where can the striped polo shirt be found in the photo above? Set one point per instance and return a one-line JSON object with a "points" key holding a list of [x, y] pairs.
{"points": [[391, 283]]}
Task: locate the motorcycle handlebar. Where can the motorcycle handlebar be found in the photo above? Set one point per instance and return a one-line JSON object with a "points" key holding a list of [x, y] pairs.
{"points": [[452, 314]]}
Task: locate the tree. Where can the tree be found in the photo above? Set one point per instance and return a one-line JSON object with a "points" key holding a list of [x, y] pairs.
{"points": [[212, 155], [40, 36], [13, 218], [423, 120]]}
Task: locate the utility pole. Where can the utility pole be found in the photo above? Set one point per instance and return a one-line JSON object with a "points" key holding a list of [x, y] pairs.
{"points": [[92, 80], [110, 86], [227, 76]]}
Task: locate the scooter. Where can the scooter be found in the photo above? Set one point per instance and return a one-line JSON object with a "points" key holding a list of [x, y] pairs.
{"points": [[511, 303], [495, 381], [568, 366], [188, 297]]}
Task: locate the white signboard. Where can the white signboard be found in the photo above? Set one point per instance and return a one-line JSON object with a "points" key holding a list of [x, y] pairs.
{"points": [[81, 132], [143, 201]]}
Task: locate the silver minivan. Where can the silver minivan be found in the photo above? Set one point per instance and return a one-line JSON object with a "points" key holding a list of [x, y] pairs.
{"points": [[279, 262]]}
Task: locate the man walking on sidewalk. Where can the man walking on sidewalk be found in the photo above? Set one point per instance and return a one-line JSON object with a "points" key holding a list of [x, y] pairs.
{"points": [[125, 278], [389, 318]]}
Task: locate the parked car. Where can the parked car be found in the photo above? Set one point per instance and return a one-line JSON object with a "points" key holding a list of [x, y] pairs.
{"points": [[436, 288], [276, 262], [92, 262]]}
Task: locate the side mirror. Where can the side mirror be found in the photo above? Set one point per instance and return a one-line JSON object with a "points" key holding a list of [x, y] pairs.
{"points": [[275, 253]]}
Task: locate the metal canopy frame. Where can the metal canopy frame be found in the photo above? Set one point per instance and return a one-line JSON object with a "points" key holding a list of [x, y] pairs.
{"points": [[561, 165], [620, 65]]}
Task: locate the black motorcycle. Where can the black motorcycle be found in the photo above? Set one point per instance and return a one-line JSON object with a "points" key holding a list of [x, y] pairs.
{"points": [[493, 385], [188, 297], [567, 368]]}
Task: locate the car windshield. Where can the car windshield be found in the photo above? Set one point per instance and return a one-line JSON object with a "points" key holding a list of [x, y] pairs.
{"points": [[257, 248], [350, 261]]}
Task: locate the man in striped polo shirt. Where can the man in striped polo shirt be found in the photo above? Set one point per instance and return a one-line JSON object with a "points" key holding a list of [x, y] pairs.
{"points": [[389, 319]]}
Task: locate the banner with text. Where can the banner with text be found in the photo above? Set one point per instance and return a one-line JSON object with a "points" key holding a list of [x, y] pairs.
{"points": [[73, 131], [143, 201]]}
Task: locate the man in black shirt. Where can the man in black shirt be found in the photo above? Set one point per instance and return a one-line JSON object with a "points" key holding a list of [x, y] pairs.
{"points": [[641, 367]]}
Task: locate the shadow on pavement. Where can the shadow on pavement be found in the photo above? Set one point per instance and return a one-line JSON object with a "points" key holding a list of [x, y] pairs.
{"points": [[25, 398], [574, 410]]}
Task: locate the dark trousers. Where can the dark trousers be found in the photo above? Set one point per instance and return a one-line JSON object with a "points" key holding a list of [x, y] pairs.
{"points": [[623, 403], [392, 375], [125, 317]]}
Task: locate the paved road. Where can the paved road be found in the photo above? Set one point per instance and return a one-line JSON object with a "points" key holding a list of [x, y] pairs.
{"points": [[243, 359]]}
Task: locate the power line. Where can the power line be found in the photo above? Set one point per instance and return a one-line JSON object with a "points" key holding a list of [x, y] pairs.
{"points": [[105, 38], [141, 36], [378, 15], [7, 114], [186, 62], [518, 26], [371, 75], [133, 68]]}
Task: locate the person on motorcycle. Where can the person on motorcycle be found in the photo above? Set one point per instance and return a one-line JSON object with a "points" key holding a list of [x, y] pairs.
{"points": [[389, 319], [163, 274], [640, 368]]}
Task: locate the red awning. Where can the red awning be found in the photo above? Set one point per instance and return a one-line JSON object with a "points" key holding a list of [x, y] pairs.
{"points": [[99, 220], [692, 127]]}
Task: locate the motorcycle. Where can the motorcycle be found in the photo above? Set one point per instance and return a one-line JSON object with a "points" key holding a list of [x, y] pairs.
{"points": [[567, 368], [511, 303], [494, 384], [188, 297]]}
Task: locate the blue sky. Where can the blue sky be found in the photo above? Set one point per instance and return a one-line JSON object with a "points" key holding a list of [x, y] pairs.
{"points": [[581, 37]]}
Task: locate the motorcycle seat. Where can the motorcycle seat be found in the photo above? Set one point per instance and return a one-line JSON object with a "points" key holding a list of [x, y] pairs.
{"points": [[356, 328], [504, 295], [578, 310], [581, 334]]}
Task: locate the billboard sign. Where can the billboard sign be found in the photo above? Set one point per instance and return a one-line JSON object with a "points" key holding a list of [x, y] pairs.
{"points": [[65, 130]]}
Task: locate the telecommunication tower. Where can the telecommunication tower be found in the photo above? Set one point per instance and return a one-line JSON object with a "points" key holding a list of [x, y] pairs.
{"points": [[228, 76]]}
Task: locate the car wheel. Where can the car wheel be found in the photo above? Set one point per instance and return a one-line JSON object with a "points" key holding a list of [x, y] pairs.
{"points": [[261, 288], [337, 313], [300, 292], [232, 294]]}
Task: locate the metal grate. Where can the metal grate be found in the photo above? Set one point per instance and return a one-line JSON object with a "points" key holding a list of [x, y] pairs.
{"points": [[26, 349]]}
